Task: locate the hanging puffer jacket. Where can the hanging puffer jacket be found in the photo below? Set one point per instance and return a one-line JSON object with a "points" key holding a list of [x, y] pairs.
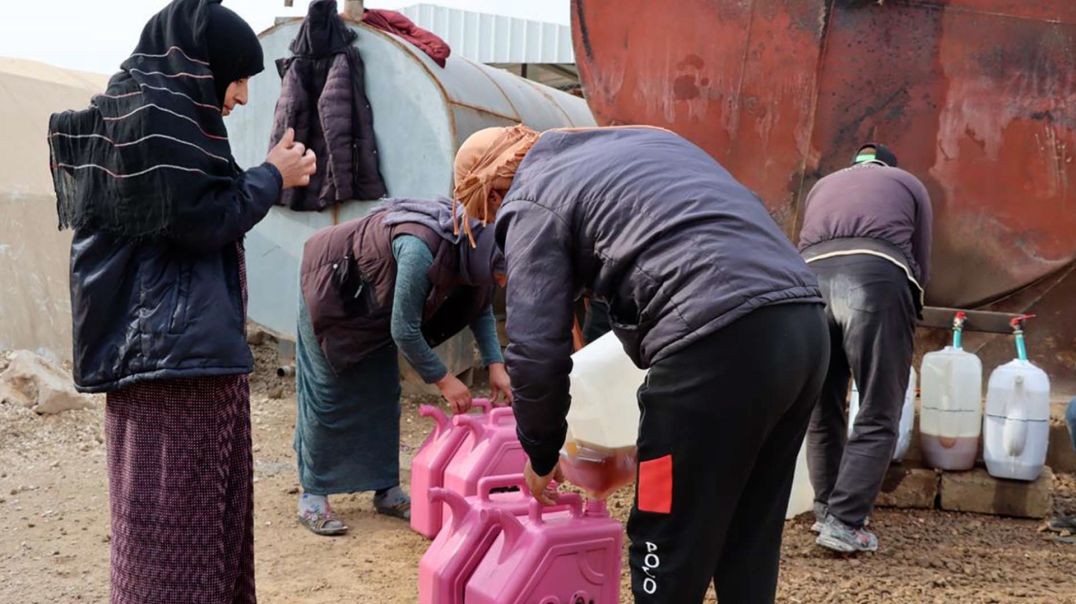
{"points": [[323, 98]]}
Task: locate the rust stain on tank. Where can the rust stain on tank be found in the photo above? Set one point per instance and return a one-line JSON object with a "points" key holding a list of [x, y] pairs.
{"points": [[977, 97]]}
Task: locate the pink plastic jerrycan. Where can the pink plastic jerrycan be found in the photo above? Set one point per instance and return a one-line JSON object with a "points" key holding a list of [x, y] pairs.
{"points": [[551, 557], [461, 544], [446, 440], [496, 452]]}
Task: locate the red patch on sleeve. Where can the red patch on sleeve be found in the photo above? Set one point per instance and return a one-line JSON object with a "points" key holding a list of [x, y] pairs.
{"points": [[656, 485]]}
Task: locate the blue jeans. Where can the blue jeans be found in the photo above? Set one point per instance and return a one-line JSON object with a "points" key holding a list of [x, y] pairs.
{"points": [[1070, 419]]}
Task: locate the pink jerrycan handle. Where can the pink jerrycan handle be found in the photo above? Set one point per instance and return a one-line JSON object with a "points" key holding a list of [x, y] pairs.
{"points": [[514, 530], [499, 414], [442, 421], [487, 484], [572, 502], [475, 423]]}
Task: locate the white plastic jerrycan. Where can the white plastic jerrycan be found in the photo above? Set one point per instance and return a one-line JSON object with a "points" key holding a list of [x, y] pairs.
{"points": [[603, 421], [801, 499], [950, 419], [1016, 428], [907, 416], [604, 385]]}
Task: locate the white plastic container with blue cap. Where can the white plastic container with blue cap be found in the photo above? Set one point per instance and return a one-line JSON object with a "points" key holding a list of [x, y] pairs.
{"points": [[1016, 429]]}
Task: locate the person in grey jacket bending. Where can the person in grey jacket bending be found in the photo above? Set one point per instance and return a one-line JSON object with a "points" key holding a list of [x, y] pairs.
{"points": [[705, 291], [866, 233], [399, 279]]}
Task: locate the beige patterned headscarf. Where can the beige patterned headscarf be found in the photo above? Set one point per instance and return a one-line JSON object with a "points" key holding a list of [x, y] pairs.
{"points": [[486, 157]]}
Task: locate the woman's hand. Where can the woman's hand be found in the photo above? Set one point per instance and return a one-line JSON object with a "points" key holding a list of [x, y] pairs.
{"points": [[455, 392], [539, 485], [293, 160], [499, 385]]}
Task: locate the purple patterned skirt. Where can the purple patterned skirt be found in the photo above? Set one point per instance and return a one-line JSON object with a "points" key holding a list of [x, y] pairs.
{"points": [[181, 491]]}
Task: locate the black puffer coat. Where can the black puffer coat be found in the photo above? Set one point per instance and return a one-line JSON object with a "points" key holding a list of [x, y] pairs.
{"points": [[323, 98], [169, 307]]}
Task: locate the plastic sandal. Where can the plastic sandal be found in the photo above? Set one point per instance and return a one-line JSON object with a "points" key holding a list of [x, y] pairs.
{"points": [[399, 508], [322, 524]]}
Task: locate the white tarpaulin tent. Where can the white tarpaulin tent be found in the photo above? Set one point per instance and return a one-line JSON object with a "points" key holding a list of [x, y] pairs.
{"points": [[35, 308]]}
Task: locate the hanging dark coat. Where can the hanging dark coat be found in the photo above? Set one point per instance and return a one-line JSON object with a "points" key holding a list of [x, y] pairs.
{"points": [[323, 98]]}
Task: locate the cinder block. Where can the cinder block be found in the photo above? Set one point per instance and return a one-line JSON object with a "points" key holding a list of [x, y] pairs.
{"points": [[976, 491], [908, 487]]}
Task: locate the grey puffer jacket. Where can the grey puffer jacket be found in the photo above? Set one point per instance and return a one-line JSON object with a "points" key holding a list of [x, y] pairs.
{"points": [[646, 222]]}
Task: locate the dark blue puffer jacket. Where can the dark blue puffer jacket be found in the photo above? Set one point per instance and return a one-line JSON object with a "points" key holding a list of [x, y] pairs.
{"points": [[647, 223], [168, 308]]}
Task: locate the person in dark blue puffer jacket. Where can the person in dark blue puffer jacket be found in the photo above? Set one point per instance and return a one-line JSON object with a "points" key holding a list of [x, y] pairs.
{"points": [[158, 206], [704, 291]]}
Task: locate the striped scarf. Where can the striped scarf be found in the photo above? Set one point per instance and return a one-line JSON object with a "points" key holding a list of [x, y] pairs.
{"points": [[153, 144]]}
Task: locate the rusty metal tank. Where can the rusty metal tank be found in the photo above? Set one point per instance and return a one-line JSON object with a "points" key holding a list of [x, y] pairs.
{"points": [[977, 97]]}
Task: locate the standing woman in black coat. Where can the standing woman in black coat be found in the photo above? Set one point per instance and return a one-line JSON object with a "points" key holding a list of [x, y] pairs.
{"points": [[146, 179]]}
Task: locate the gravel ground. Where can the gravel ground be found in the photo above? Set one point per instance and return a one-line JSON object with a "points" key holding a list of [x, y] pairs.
{"points": [[54, 529]]}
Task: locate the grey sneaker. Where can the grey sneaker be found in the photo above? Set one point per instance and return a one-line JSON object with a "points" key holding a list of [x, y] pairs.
{"points": [[820, 511], [1062, 524], [842, 538]]}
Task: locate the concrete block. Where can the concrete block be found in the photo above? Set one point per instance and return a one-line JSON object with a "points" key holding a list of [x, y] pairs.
{"points": [[908, 487], [976, 491], [1060, 455]]}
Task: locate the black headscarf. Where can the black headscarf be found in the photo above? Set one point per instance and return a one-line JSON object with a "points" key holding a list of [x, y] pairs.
{"points": [[146, 154], [234, 50]]}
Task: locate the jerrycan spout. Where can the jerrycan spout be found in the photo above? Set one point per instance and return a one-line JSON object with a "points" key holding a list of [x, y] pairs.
{"points": [[595, 508], [1017, 325], [441, 421], [958, 329], [475, 423], [513, 531], [456, 503]]}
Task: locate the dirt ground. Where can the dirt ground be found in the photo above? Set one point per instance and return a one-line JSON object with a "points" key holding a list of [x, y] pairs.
{"points": [[54, 529]]}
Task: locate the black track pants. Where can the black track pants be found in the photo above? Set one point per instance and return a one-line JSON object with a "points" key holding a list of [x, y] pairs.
{"points": [[722, 423]]}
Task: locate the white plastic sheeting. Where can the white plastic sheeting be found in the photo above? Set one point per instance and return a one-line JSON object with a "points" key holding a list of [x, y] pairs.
{"points": [[487, 38], [35, 305]]}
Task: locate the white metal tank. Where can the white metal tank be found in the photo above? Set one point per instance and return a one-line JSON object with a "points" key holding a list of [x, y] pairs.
{"points": [[950, 419], [422, 113], [1016, 428]]}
